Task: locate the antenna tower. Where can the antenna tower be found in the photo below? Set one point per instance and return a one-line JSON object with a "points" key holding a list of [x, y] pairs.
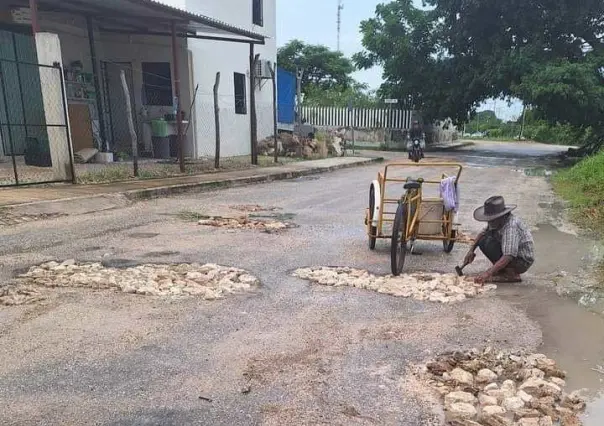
{"points": [[340, 7]]}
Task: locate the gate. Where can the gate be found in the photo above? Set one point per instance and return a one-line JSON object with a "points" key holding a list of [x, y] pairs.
{"points": [[35, 141]]}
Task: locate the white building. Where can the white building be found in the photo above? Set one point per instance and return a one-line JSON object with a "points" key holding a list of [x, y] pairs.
{"points": [[100, 38], [209, 57]]}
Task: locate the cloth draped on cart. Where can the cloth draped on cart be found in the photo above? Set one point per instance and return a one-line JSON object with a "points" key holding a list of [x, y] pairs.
{"points": [[449, 192]]}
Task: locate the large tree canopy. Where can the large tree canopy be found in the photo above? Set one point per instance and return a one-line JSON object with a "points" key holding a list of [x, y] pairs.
{"points": [[323, 68], [450, 56]]}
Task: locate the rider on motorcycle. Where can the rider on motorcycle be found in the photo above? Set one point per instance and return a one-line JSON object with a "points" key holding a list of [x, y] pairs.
{"points": [[416, 133]]}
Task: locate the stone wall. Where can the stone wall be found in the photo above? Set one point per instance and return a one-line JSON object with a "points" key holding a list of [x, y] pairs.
{"points": [[438, 133]]}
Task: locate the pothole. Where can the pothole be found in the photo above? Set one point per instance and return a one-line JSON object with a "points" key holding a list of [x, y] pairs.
{"points": [[433, 287], [485, 387], [207, 281], [268, 226]]}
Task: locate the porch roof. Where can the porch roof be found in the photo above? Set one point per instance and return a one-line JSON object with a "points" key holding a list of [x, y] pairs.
{"points": [[147, 17]]}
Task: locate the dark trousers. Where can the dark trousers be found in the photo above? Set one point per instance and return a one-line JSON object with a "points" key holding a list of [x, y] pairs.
{"points": [[490, 246]]}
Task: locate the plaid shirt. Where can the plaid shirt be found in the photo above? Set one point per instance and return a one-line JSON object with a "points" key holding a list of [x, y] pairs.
{"points": [[516, 240]]}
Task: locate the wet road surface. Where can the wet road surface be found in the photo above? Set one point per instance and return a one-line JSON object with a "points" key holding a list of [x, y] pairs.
{"points": [[291, 352]]}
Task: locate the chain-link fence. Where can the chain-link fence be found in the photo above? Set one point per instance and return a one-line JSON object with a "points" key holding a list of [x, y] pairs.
{"points": [[34, 134], [158, 141]]}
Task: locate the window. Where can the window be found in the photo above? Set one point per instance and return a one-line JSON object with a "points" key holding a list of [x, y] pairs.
{"points": [[157, 84], [257, 12], [240, 100]]}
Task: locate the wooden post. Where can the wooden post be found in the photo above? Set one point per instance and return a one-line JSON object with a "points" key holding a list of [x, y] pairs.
{"points": [[521, 135], [104, 146], [130, 123], [179, 137], [217, 121], [272, 68], [253, 118]]}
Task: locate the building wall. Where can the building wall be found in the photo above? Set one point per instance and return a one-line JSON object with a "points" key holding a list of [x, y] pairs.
{"points": [[119, 48], [209, 57]]}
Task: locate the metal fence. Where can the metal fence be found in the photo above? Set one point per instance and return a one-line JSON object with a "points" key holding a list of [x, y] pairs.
{"points": [[35, 141], [361, 118]]}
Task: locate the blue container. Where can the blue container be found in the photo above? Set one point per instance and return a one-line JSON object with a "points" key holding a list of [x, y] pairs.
{"points": [[286, 96]]}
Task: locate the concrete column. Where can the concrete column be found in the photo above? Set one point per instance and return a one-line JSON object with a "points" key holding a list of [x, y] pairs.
{"points": [[48, 47]]}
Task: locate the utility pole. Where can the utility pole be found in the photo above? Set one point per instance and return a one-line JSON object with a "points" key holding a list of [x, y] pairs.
{"points": [[299, 75], [521, 135], [340, 7]]}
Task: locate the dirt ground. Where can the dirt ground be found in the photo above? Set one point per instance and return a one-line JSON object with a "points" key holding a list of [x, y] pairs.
{"points": [[290, 352]]}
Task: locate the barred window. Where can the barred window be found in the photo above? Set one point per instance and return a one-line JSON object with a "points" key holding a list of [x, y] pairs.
{"points": [[157, 84], [257, 12], [240, 99]]}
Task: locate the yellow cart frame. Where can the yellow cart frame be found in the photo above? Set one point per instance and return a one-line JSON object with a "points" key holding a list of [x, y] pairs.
{"points": [[406, 219]]}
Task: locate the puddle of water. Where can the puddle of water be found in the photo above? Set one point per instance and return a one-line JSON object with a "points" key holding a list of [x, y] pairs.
{"points": [[537, 172], [558, 251], [571, 335]]}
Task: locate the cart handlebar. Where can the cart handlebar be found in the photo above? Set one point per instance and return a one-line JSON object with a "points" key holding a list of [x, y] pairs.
{"points": [[385, 177]]}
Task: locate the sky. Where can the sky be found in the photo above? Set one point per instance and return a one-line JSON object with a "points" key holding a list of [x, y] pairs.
{"points": [[315, 22]]}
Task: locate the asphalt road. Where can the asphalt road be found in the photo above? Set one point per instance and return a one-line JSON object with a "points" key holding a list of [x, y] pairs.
{"points": [[289, 353]]}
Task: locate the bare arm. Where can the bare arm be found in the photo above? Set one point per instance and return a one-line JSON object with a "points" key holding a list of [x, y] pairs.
{"points": [[499, 266]]}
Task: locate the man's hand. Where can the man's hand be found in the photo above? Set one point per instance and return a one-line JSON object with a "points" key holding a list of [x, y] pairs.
{"points": [[482, 278], [469, 258]]}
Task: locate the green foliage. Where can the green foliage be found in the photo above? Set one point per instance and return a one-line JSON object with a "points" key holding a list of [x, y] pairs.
{"points": [[356, 93], [323, 68], [583, 186], [447, 59]]}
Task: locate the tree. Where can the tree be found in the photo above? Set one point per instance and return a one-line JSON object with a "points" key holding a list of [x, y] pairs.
{"points": [[323, 68], [449, 58], [357, 94]]}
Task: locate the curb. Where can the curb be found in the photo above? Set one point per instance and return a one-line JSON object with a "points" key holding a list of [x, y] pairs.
{"points": [[164, 191], [108, 201]]}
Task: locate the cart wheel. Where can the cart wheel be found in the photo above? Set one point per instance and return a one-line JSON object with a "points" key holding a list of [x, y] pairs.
{"points": [[372, 229], [398, 245], [449, 244]]}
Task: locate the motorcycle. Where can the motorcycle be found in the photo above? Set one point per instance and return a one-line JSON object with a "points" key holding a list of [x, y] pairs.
{"points": [[416, 153]]}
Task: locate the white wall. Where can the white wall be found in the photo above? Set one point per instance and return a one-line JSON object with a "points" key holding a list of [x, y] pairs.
{"points": [[210, 57]]}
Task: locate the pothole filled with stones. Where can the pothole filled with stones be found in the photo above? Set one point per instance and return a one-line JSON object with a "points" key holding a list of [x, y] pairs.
{"points": [[208, 281], [433, 287], [490, 388], [256, 217], [244, 222], [252, 208]]}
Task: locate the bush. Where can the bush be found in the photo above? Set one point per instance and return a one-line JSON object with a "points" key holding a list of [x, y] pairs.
{"points": [[583, 186]]}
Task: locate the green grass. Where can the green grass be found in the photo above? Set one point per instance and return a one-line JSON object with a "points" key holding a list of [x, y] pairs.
{"points": [[583, 187]]}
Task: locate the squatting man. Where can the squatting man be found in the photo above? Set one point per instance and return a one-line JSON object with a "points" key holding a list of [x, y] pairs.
{"points": [[506, 241]]}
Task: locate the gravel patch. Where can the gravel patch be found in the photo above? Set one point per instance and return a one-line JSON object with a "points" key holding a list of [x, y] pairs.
{"points": [[268, 226], [485, 387], [252, 208], [433, 287], [207, 281]]}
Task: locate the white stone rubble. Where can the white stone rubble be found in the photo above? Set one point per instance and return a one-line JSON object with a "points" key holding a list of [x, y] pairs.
{"points": [[207, 281], [245, 223], [433, 287], [486, 388]]}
